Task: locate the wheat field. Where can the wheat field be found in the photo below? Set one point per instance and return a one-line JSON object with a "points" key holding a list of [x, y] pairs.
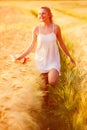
{"points": [[21, 98]]}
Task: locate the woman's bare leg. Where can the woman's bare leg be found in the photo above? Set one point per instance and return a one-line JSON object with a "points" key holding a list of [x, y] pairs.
{"points": [[45, 87], [50, 78], [53, 76]]}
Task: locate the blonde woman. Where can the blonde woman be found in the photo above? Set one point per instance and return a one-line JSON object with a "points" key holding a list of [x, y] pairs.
{"points": [[47, 57]]}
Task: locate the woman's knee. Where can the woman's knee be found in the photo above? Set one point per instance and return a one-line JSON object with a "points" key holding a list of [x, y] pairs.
{"points": [[53, 77], [53, 83]]}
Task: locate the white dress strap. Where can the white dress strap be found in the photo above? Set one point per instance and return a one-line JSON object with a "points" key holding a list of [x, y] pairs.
{"points": [[53, 27], [38, 29]]}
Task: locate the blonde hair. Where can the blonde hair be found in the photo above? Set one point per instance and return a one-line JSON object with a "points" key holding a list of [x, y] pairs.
{"points": [[49, 11]]}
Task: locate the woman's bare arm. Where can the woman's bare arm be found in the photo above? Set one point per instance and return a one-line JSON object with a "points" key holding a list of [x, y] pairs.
{"points": [[62, 45], [30, 48]]}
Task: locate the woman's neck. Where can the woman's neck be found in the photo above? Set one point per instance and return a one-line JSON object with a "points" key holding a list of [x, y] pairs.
{"points": [[46, 27], [47, 23]]}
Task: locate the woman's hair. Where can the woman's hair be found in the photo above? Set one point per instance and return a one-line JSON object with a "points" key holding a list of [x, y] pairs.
{"points": [[49, 11]]}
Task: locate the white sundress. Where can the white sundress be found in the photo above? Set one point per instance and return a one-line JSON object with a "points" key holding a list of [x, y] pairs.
{"points": [[47, 54]]}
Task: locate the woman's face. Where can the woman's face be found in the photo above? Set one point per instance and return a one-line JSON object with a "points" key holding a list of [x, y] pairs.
{"points": [[43, 15]]}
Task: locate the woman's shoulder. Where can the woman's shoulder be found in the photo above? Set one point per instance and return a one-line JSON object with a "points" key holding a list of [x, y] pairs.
{"points": [[57, 29], [36, 29], [56, 26]]}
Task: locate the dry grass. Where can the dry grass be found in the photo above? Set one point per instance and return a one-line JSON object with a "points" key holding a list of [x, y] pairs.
{"points": [[20, 95]]}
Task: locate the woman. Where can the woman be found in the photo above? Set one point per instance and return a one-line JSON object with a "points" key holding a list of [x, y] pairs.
{"points": [[47, 56]]}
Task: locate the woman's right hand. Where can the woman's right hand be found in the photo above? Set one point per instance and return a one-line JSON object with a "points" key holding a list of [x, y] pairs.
{"points": [[17, 58]]}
